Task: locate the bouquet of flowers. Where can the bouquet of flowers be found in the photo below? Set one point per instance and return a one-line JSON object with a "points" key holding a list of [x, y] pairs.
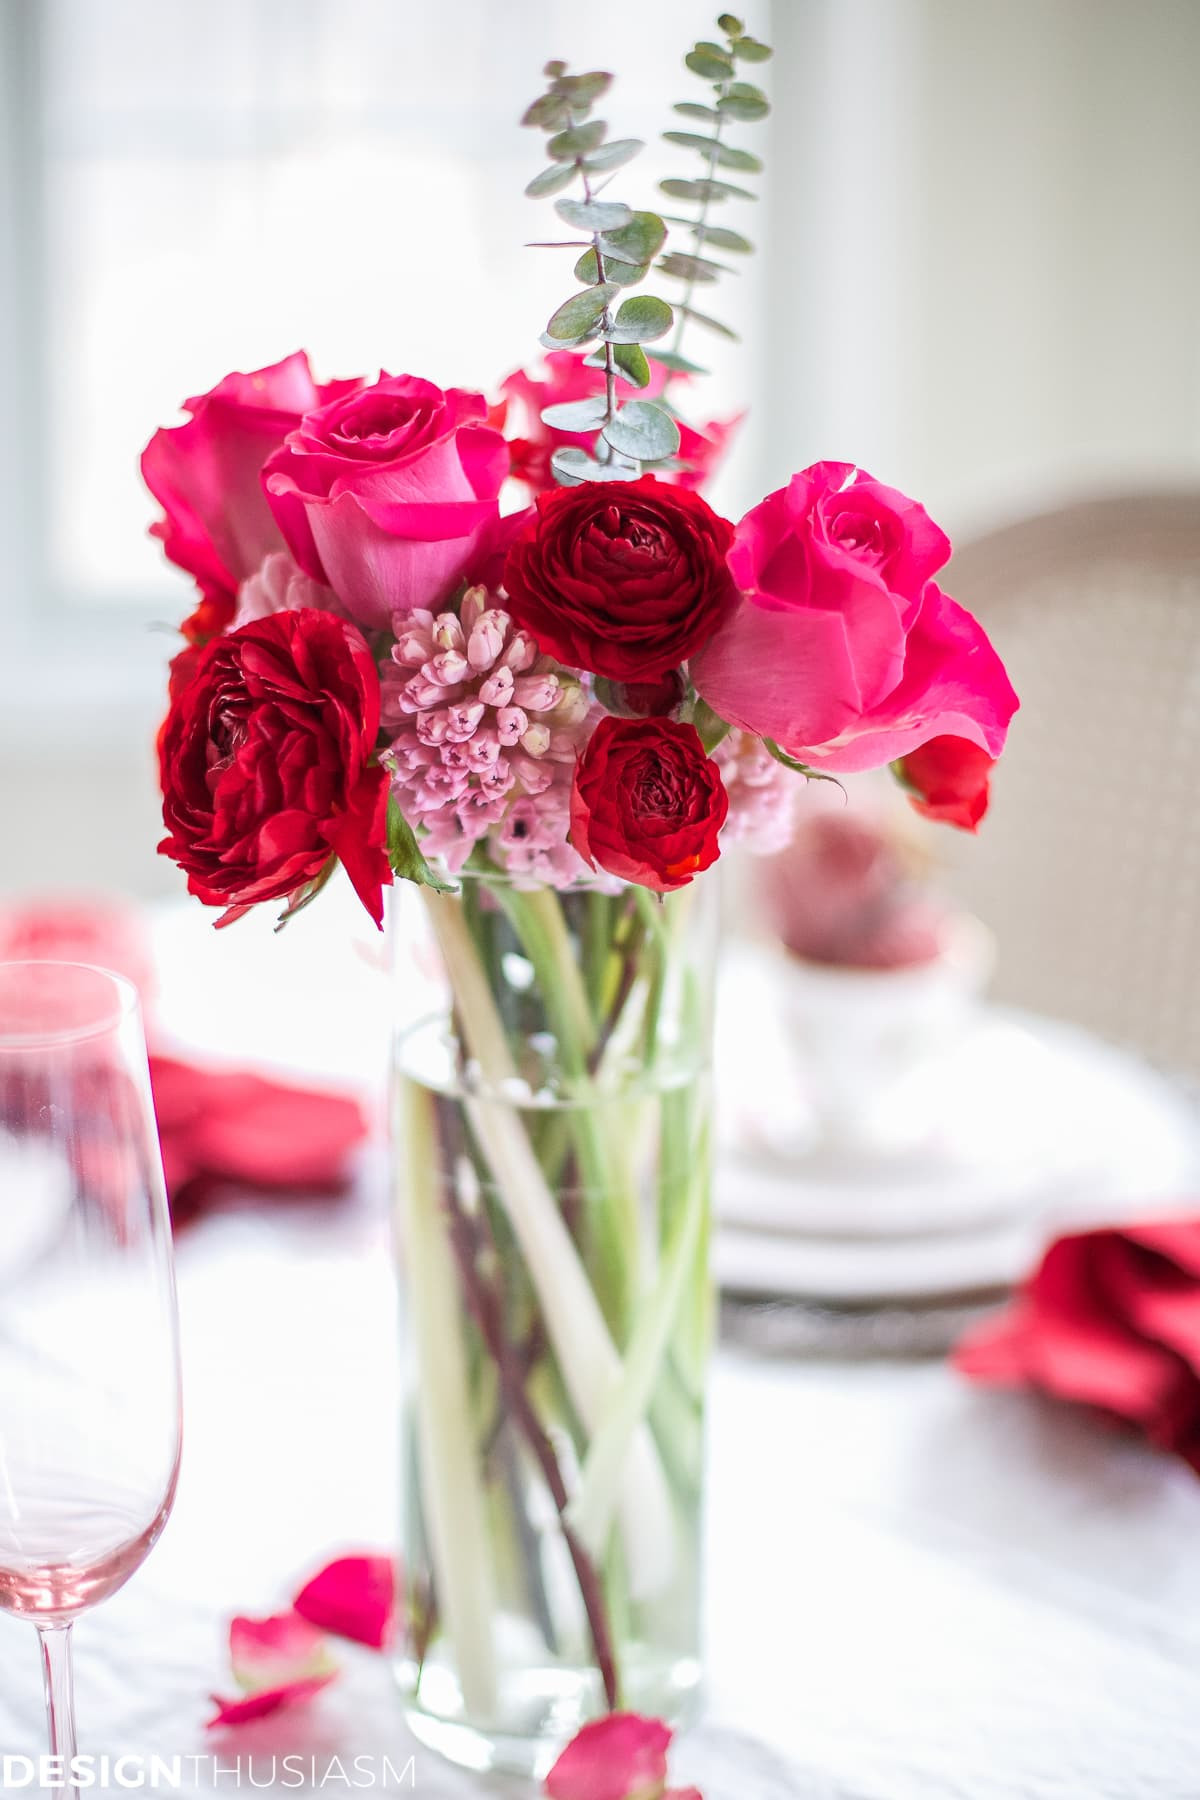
{"points": [[551, 715]]}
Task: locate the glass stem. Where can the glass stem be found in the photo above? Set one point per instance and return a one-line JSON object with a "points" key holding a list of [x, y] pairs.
{"points": [[55, 1642]]}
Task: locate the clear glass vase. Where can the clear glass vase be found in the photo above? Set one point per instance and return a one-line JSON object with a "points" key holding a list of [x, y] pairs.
{"points": [[552, 1119]]}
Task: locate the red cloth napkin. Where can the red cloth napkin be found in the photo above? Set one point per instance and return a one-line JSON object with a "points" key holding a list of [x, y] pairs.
{"points": [[230, 1126], [1110, 1318]]}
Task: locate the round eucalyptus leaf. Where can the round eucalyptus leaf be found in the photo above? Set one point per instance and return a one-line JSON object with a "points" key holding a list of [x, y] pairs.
{"points": [[700, 318], [593, 215], [678, 365], [580, 313], [578, 141], [749, 49], [691, 109], [639, 320], [582, 90], [643, 430], [551, 180], [571, 465], [631, 360], [552, 343], [741, 101], [698, 190], [730, 25], [691, 268], [612, 156], [553, 70], [639, 242], [721, 238], [729, 157], [576, 415], [548, 111], [621, 274], [713, 67]]}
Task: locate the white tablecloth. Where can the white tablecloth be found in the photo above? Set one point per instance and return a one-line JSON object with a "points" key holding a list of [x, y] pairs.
{"points": [[916, 1591]]}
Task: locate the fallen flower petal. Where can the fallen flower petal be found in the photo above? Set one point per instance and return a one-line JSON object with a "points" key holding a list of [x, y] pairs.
{"points": [[266, 1701], [622, 1757], [354, 1597], [267, 1652]]}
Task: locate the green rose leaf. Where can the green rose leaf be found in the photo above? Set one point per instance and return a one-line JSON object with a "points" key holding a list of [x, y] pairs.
{"points": [[639, 320], [798, 768], [741, 101], [551, 180], [404, 854], [578, 315], [700, 318], [593, 215], [612, 156], [710, 725], [637, 242], [621, 274], [576, 415], [578, 141], [644, 431]]}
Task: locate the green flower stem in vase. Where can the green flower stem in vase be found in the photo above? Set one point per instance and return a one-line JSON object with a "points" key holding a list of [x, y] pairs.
{"points": [[552, 1123]]}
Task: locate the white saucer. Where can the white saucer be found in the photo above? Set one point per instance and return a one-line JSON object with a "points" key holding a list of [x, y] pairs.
{"points": [[1037, 1127]]}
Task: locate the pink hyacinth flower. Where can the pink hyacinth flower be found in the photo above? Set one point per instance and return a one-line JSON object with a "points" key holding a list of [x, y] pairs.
{"points": [[354, 1597], [278, 1661]]}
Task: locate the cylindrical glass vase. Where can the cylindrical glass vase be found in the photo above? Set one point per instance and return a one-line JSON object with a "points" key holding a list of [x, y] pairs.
{"points": [[552, 1122]]}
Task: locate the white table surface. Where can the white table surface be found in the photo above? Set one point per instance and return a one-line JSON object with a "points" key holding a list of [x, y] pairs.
{"points": [[916, 1590]]}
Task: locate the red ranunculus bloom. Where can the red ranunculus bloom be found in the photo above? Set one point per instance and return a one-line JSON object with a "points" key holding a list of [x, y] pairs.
{"points": [[624, 579], [264, 763], [947, 780], [648, 802]]}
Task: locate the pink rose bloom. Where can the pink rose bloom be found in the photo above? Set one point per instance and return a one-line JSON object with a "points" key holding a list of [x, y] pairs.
{"points": [[387, 494], [567, 377], [843, 650], [207, 474]]}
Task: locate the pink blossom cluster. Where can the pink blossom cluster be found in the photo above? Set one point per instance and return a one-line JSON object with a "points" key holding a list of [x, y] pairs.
{"points": [[762, 794], [486, 732]]}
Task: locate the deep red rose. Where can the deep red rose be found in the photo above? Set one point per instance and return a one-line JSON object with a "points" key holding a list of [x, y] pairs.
{"points": [[263, 760], [624, 579], [648, 802], [947, 780]]}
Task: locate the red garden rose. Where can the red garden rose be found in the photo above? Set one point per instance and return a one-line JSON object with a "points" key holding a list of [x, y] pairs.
{"points": [[264, 764], [947, 780], [207, 475], [625, 579], [648, 802]]}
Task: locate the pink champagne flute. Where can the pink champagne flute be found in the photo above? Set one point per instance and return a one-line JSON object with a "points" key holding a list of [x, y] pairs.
{"points": [[89, 1348]]}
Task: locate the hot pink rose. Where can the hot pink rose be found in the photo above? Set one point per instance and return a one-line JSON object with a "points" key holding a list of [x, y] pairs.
{"points": [[567, 377], [207, 475], [387, 494], [843, 650]]}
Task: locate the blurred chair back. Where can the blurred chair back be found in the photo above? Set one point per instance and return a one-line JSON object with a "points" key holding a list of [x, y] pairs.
{"points": [[1088, 867]]}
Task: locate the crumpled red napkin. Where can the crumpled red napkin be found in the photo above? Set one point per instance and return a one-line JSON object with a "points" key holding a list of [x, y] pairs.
{"points": [[216, 1125], [1110, 1318], [231, 1126]]}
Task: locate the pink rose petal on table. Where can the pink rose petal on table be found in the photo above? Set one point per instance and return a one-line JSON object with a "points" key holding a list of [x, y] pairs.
{"points": [[354, 1597], [278, 1661], [622, 1757]]}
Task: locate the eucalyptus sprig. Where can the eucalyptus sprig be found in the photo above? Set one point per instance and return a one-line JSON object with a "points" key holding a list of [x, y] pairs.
{"points": [[733, 100], [617, 253]]}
